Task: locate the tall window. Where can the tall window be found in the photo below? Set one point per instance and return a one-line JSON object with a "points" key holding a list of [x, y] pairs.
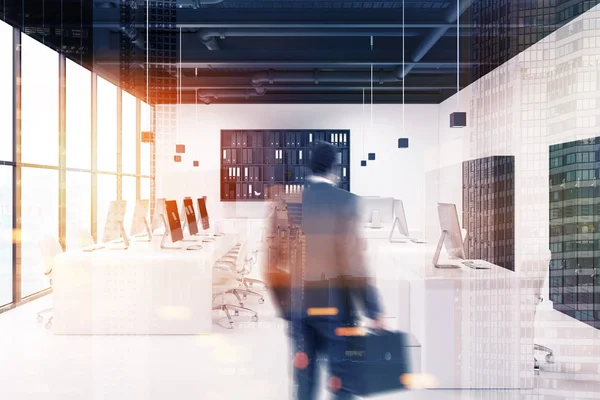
{"points": [[6, 215], [146, 125], [39, 140], [6, 92], [39, 113], [79, 116], [6, 154], [39, 218], [107, 192], [79, 203], [107, 126], [129, 134]]}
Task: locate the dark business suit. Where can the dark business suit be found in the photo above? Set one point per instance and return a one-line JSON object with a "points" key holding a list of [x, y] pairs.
{"points": [[334, 278]]}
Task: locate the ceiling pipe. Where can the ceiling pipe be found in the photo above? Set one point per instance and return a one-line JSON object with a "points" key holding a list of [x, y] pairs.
{"points": [[196, 4], [435, 36], [316, 77], [209, 96], [209, 36]]}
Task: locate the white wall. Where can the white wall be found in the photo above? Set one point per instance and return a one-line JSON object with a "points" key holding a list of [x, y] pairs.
{"points": [[396, 172]]}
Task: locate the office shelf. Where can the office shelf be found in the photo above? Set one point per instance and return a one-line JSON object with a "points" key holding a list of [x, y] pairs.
{"points": [[258, 165]]}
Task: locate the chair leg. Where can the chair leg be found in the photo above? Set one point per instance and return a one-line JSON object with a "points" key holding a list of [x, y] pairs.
{"points": [[237, 296], [223, 307], [40, 315], [257, 281], [246, 292], [254, 317]]}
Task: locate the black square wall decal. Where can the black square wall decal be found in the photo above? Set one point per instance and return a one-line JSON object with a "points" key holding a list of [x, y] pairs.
{"points": [[371, 156], [180, 148], [363, 163], [196, 163], [403, 143], [177, 158]]}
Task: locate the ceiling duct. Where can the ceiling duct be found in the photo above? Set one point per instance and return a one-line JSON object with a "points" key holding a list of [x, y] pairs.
{"points": [[316, 77], [209, 96], [435, 36], [209, 36]]}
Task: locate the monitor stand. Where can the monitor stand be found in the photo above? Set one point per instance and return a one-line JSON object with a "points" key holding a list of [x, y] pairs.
{"points": [[397, 240], [124, 238], [148, 233], [163, 244], [436, 256]]}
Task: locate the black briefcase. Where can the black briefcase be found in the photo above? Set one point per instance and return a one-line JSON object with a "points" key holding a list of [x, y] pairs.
{"points": [[374, 363]]}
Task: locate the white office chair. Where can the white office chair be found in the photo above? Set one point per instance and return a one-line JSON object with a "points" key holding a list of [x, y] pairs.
{"points": [[236, 262], [226, 281], [50, 248]]}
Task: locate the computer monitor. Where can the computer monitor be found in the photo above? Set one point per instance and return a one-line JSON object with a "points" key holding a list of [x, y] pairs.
{"points": [[377, 210], [139, 224], [159, 211], [113, 228], [451, 236], [172, 225], [400, 223], [203, 213], [188, 206]]}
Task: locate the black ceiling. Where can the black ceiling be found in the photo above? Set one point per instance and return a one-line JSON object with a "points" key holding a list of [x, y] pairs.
{"points": [[290, 51]]}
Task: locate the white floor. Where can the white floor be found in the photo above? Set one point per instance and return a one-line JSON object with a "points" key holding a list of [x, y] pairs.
{"points": [[248, 362]]}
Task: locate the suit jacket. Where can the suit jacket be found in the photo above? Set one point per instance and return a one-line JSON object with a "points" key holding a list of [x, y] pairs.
{"points": [[334, 251]]}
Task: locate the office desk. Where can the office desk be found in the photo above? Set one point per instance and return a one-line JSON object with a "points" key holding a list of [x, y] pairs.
{"points": [[475, 326], [144, 290]]}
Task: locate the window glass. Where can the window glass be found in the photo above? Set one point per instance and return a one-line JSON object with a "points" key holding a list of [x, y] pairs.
{"points": [[79, 205], [146, 125], [39, 218], [39, 107], [6, 216], [128, 192], [107, 192], [145, 189], [79, 116], [107, 126], [129, 134], [6, 93]]}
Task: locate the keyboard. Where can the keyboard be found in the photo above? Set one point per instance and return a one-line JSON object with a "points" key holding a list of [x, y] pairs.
{"points": [[208, 240], [477, 264], [194, 247]]}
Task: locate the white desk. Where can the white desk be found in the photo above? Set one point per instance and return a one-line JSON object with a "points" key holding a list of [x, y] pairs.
{"points": [[144, 290], [475, 326]]}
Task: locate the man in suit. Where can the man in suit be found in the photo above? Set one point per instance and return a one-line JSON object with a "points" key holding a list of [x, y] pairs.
{"points": [[333, 281]]}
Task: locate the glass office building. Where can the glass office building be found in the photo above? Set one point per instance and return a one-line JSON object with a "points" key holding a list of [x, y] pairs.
{"points": [[575, 229]]}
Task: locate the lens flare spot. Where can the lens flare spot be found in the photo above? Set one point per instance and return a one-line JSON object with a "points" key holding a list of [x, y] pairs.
{"points": [[335, 384], [322, 312], [301, 360]]}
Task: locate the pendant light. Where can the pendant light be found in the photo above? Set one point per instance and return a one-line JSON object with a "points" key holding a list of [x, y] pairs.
{"points": [[458, 119], [403, 141]]}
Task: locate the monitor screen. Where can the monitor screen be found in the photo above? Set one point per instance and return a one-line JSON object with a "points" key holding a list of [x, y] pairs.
{"points": [[114, 220], [188, 206], [158, 212], [449, 223], [139, 215], [203, 213], [173, 220]]}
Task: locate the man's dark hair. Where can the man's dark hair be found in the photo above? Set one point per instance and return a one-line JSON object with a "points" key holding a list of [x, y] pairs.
{"points": [[323, 158]]}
